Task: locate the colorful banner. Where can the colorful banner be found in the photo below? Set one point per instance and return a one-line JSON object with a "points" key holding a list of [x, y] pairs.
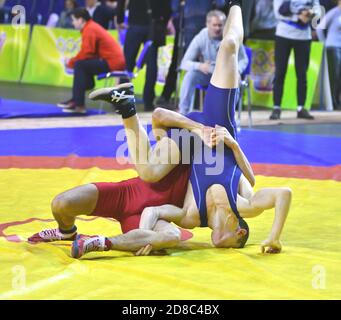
{"points": [[263, 70], [45, 65], [48, 50], [13, 49]]}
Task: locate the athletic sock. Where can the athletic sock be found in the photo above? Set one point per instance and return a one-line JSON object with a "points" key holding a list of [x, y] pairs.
{"points": [[231, 3], [107, 244], [300, 108], [68, 233], [128, 111], [277, 107]]}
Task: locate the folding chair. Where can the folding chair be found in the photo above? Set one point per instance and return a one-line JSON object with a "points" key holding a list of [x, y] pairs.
{"points": [[126, 74]]}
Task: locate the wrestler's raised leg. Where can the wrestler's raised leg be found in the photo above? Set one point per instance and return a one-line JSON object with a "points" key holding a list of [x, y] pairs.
{"points": [[151, 164], [226, 74]]}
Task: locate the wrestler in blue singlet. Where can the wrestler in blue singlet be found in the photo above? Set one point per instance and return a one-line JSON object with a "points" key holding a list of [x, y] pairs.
{"points": [[219, 109]]}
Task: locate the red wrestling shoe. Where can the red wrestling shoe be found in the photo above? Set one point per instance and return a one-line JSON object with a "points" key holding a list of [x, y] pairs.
{"points": [[83, 245], [50, 235]]}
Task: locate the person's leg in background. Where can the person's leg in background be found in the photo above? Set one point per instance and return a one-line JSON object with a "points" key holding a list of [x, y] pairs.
{"points": [[282, 53], [188, 88], [171, 79], [136, 35], [151, 76], [334, 67], [84, 72], [302, 59], [338, 79]]}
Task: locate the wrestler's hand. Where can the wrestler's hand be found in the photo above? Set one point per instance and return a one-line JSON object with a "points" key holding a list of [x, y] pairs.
{"points": [[221, 134], [144, 251], [205, 135], [271, 246]]}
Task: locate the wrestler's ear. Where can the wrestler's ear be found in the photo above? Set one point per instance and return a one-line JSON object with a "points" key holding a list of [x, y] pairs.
{"points": [[241, 232]]}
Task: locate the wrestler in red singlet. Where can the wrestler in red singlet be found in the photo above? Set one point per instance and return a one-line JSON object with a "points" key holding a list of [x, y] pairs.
{"points": [[126, 200]]}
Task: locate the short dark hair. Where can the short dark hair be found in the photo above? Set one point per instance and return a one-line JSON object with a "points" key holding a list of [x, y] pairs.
{"points": [[243, 225], [81, 13]]}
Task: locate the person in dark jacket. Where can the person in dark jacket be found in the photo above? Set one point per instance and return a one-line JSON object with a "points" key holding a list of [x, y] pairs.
{"points": [[138, 32], [100, 12]]}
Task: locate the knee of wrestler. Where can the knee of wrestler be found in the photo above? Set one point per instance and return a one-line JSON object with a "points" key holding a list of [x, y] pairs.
{"points": [[230, 44], [60, 204], [158, 114]]}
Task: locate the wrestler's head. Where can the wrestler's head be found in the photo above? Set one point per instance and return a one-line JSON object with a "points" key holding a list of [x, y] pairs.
{"points": [[236, 235], [80, 16]]}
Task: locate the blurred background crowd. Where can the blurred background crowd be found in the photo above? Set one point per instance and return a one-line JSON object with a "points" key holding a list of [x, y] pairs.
{"points": [[197, 27]]}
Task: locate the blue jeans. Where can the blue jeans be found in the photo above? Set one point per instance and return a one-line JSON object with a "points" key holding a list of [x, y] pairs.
{"points": [[187, 92]]}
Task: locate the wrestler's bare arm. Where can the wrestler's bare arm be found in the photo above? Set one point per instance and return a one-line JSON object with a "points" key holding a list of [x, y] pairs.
{"points": [[264, 199], [243, 163], [169, 213], [221, 134], [164, 119]]}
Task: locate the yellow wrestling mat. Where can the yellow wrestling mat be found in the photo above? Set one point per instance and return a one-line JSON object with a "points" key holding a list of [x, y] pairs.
{"points": [[308, 267]]}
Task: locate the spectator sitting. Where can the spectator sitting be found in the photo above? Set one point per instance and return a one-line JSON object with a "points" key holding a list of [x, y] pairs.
{"points": [[101, 12], [199, 59], [99, 53], [332, 21], [263, 22], [65, 20], [194, 20]]}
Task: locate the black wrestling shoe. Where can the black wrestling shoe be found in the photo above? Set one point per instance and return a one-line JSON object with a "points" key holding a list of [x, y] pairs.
{"points": [[276, 114], [121, 97], [304, 114]]}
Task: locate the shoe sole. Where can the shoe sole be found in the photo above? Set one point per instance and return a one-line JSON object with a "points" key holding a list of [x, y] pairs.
{"points": [[63, 106], [73, 111], [99, 93]]}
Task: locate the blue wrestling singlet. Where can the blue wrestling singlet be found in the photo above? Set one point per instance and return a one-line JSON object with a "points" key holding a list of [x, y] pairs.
{"points": [[219, 109]]}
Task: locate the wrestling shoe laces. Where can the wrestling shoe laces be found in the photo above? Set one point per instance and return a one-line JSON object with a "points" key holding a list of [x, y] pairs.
{"points": [[85, 245], [51, 235], [117, 96], [121, 97]]}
